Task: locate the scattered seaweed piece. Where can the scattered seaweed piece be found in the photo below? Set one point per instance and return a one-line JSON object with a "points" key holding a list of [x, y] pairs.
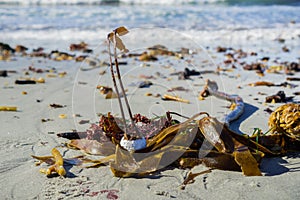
{"points": [[78, 47], [270, 84], [54, 105], [62, 116], [20, 49], [147, 57], [3, 73], [5, 47], [56, 161], [262, 83], [167, 97], [258, 67], [8, 108], [25, 82], [84, 122], [280, 97], [72, 135], [293, 79], [179, 88]]}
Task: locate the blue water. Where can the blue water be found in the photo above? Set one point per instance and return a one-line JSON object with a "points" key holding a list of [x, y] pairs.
{"points": [[69, 16]]}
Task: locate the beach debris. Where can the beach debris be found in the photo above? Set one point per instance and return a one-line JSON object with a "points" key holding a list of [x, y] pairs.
{"points": [[258, 67], [220, 49], [84, 121], [147, 57], [141, 146], [56, 161], [292, 67], [104, 89], [230, 150], [108, 92], [168, 97], [54, 105], [72, 135], [270, 84], [62, 116], [143, 84], [20, 49], [8, 108], [279, 97], [36, 70], [29, 81], [183, 75], [293, 78], [286, 120], [142, 76], [3, 73], [179, 88], [211, 88], [81, 58], [39, 80], [60, 56], [285, 49], [6, 48], [262, 83], [78, 47], [46, 120], [25, 82]]}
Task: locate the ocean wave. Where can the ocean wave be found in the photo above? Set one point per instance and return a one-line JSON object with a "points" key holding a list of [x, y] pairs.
{"points": [[147, 2], [100, 2]]}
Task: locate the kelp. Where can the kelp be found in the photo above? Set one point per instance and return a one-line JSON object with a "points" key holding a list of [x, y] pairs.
{"points": [[179, 145], [56, 162], [185, 144]]}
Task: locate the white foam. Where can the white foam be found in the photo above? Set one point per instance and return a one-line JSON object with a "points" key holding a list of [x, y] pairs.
{"points": [[91, 2]]}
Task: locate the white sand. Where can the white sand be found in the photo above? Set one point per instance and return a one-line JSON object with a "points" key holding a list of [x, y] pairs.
{"points": [[23, 133]]}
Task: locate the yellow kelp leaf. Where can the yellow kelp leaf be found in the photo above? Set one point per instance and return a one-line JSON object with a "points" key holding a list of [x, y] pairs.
{"points": [[247, 162], [57, 167]]}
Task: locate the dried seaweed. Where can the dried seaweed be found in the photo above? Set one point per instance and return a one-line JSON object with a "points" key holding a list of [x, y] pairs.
{"points": [[168, 142], [56, 161]]}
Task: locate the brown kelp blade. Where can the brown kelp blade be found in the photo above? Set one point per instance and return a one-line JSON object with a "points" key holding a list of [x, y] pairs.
{"points": [[249, 142], [247, 162], [167, 134], [93, 146], [128, 164], [99, 162], [212, 159], [125, 164], [212, 131]]}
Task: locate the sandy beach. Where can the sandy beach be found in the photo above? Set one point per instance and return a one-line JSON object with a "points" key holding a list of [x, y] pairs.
{"points": [[32, 129], [55, 69]]}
